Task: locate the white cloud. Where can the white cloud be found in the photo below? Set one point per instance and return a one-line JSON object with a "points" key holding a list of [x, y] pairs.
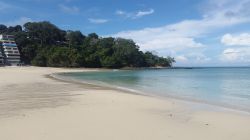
{"points": [[97, 21], [144, 13], [181, 58], [124, 14], [120, 12], [173, 43], [236, 40], [198, 57], [228, 8], [69, 9], [20, 21], [192, 59], [236, 55], [184, 36], [176, 36], [135, 15]]}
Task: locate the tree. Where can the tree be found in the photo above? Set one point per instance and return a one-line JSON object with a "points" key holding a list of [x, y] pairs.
{"points": [[150, 59], [3, 28], [127, 52], [28, 53], [40, 59], [93, 36], [74, 38], [44, 32], [15, 29], [26, 49], [44, 44]]}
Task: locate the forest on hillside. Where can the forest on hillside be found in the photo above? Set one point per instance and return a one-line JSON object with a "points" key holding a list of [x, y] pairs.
{"points": [[44, 44]]}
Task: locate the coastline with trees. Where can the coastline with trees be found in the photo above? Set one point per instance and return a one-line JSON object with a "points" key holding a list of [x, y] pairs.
{"points": [[44, 44]]}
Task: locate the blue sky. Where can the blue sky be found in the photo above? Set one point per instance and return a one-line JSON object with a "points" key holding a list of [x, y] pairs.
{"points": [[195, 32]]}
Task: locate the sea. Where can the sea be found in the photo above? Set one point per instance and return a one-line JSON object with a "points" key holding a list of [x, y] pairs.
{"points": [[223, 86]]}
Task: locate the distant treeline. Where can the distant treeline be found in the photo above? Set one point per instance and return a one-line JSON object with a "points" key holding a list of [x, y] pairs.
{"points": [[44, 44]]}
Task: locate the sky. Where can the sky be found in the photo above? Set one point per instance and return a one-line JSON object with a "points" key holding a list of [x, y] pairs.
{"points": [[194, 32]]}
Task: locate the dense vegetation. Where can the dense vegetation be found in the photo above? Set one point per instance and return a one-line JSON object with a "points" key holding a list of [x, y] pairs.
{"points": [[44, 44]]}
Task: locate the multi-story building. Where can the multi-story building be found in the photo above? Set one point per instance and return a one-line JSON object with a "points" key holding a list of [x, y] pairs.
{"points": [[11, 55]]}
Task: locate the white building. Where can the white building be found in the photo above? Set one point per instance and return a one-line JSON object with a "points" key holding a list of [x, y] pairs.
{"points": [[11, 55]]}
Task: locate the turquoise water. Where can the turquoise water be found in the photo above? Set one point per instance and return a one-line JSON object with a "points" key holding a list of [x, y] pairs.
{"points": [[228, 87]]}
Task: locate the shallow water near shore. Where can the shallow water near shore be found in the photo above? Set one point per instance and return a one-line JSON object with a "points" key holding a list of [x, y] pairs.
{"points": [[227, 87]]}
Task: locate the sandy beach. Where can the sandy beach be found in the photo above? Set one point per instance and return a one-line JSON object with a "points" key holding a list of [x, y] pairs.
{"points": [[36, 107]]}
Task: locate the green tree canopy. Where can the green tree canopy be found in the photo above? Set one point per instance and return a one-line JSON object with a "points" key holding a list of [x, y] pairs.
{"points": [[44, 32], [44, 44], [74, 38]]}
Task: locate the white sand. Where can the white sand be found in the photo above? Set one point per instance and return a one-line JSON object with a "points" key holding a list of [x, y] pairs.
{"points": [[34, 107]]}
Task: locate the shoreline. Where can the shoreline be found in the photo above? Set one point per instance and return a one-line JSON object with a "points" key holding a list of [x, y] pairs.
{"points": [[217, 106], [57, 76], [51, 109]]}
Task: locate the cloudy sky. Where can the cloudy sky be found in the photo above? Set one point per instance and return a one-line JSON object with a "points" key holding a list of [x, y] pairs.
{"points": [[195, 32]]}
